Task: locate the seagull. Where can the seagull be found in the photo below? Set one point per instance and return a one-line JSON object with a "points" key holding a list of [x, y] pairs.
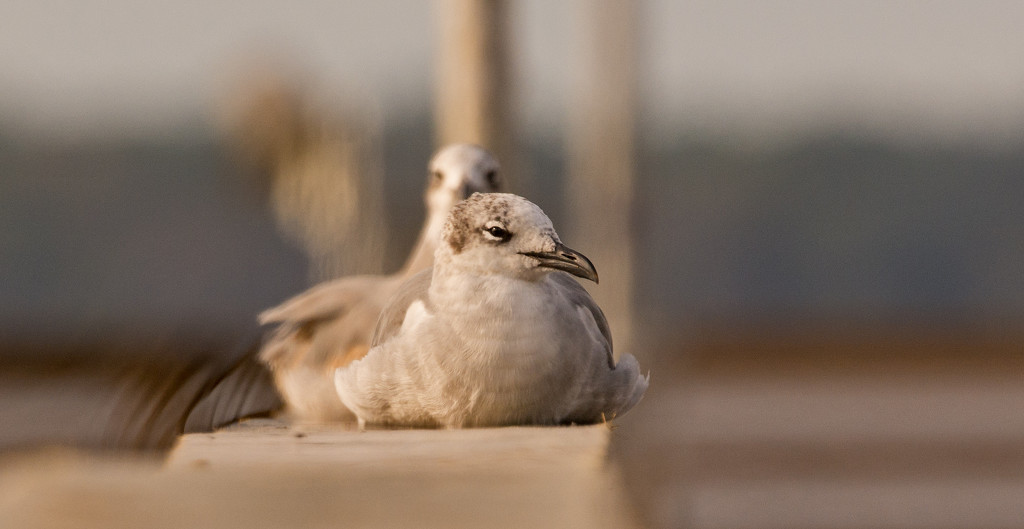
{"points": [[497, 333], [330, 325]]}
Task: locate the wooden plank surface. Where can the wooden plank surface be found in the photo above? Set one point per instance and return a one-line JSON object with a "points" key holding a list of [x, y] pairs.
{"points": [[270, 474]]}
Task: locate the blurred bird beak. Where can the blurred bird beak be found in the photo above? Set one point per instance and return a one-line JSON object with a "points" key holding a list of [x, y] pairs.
{"points": [[567, 260], [470, 187]]}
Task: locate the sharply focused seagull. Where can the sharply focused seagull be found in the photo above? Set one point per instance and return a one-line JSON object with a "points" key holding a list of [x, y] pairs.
{"points": [[330, 325], [497, 333]]}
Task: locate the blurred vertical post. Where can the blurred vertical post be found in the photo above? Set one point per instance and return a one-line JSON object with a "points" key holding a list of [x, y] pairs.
{"points": [[473, 98], [319, 159], [601, 147]]}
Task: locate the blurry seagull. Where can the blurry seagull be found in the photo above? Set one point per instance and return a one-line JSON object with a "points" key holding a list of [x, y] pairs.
{"points": [[497, 333], [330, 325]]}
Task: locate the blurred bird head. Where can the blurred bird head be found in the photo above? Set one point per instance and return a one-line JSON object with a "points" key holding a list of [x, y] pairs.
{"points": [[501, 233], [456, 172]]}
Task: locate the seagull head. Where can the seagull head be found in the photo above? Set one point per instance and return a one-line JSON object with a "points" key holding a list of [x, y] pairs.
{"points": [[457, 171], [500, 233]]}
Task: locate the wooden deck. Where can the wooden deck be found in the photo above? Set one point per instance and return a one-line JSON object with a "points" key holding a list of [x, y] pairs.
{"points": [[823, 434], [270, 474]]}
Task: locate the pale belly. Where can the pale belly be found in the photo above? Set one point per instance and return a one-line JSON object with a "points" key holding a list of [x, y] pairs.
{"points": [[505, 353], [511, 371]]}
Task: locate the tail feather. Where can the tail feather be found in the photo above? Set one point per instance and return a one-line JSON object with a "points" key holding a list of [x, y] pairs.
{"points": [[632, 389]]}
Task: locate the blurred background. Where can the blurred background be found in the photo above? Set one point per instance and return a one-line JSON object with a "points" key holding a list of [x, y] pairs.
{"points": [[807, 217]]}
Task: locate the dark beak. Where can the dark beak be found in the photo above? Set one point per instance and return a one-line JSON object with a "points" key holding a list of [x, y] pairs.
{"points": [[567, 260]]}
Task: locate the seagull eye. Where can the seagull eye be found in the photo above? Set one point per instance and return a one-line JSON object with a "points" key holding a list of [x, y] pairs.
{"points": [[492, 177], [436, 177], [498, 233]]}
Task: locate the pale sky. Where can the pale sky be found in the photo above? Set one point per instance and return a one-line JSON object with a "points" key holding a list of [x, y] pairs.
{"points": [[938, 70]]}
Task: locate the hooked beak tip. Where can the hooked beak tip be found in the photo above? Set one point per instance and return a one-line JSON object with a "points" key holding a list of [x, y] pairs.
{"points": [[567, 260]]}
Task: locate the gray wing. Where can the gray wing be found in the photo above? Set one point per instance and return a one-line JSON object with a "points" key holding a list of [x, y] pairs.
{"points": [[322, 301], [300, 317], [579, 296], [246, 390], [145, 389], [391, 318]]}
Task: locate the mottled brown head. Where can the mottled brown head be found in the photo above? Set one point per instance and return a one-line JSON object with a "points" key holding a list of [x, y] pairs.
{"points": [[506, 234]]}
